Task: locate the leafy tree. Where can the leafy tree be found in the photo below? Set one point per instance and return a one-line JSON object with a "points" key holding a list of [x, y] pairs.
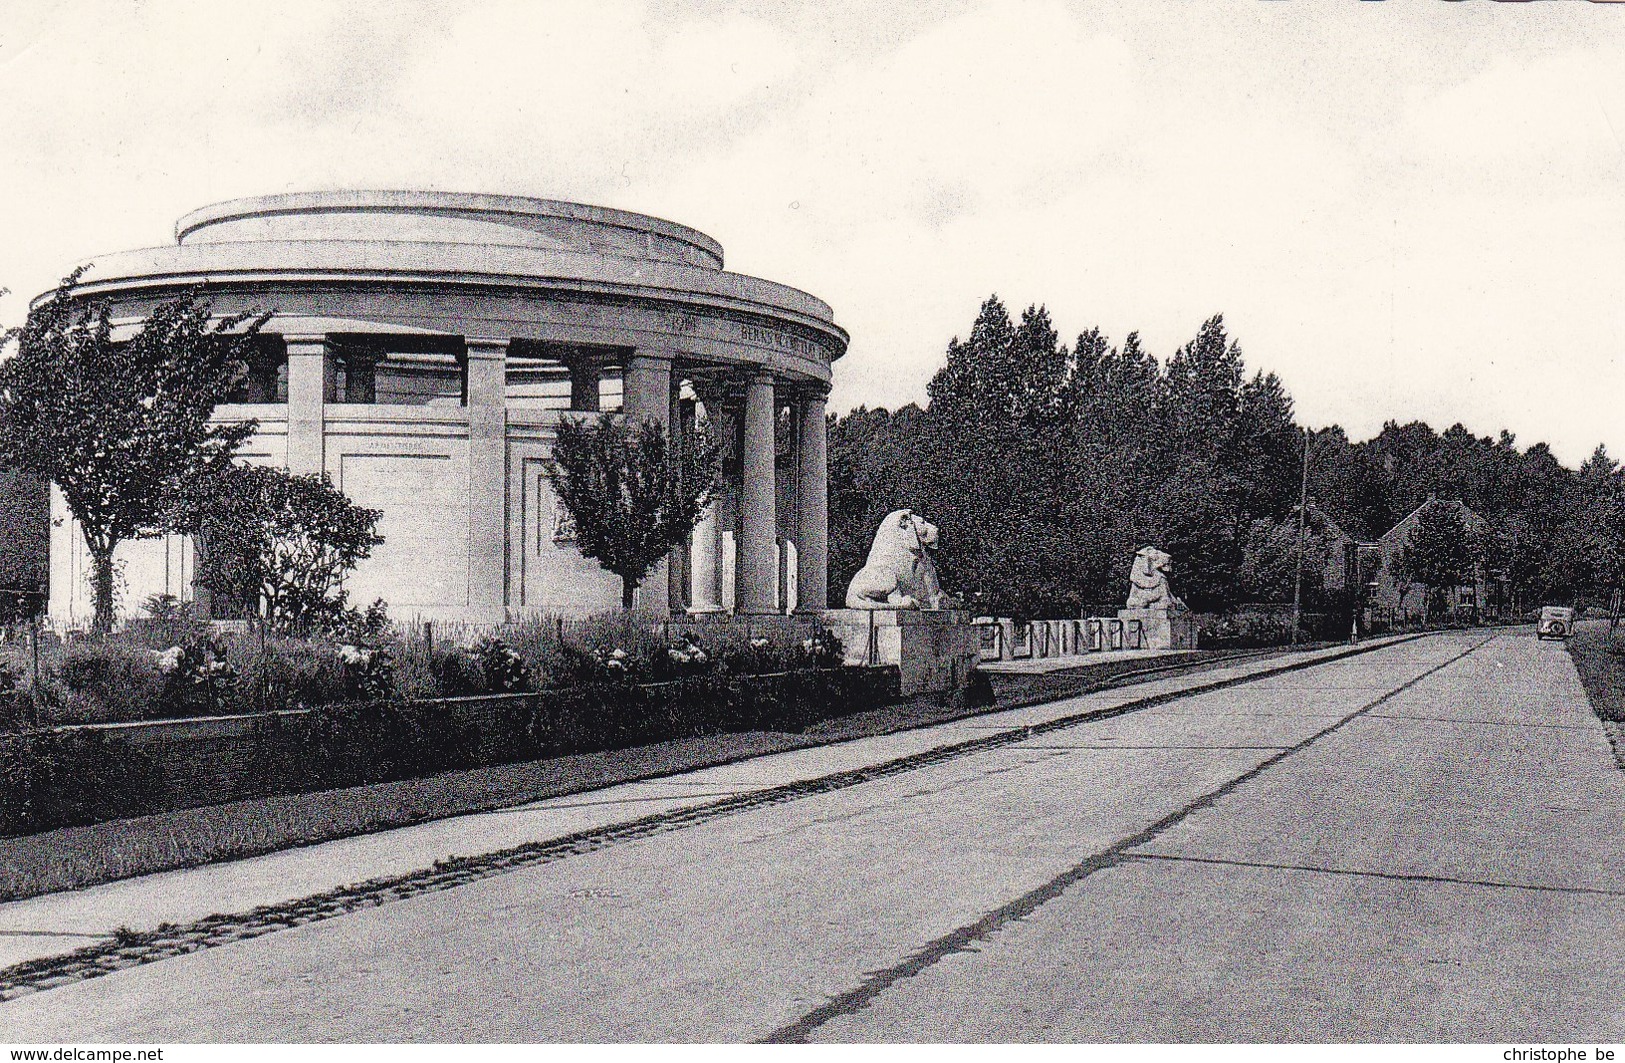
{"points": [[1267, 445], [24, 532], [1198, 516], [1200, 406], [278, 544], [1440, 551], [1350, 485], [117, 424], [633, 497], [997, 425], [1005, 374], [1270, 559], [1599, 490], [1047, 469], [875, 459]]}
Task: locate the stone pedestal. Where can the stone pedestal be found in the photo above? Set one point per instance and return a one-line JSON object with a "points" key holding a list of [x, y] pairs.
{"points": [[1165, 629], [935, 651]]}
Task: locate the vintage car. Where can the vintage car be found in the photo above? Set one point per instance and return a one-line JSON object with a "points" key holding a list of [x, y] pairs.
{"points": [[1556, 622]]}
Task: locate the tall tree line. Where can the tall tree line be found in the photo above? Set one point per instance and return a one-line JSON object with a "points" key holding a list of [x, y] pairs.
{"points": [[1048, 465]]}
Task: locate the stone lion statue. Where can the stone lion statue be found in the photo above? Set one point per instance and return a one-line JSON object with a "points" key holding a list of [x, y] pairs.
{"points": [[1148, 581], [900, 572]]}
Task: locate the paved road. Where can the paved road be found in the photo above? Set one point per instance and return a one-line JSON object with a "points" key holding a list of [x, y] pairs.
{"points": [[1423, 843]]}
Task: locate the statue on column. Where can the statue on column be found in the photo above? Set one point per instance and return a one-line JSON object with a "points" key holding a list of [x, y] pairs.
{"points": [[897, 615], [1164, 621], [901, 572], [1148, 581]]}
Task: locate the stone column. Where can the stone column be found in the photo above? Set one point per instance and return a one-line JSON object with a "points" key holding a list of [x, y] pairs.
{"points": [[812, 494], [681, 421], [310, 370], [705, 550], [646, 386], [487, 366], [585, 373], [758, 546], [646, 391]]}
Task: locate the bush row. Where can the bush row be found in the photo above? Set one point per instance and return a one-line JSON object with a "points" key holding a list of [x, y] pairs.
{"points": [[1251, 629], [58, 779]]}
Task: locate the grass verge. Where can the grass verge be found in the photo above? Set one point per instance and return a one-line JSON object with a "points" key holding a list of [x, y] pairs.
{"points": [[77, 857], [1600, 660]]}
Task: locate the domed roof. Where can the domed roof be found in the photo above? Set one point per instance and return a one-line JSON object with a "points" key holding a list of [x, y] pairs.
{"points": [[450, 238], [450, 218]]}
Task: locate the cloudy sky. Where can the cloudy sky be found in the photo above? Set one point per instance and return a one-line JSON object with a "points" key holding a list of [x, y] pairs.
{"points": [[1407, 210]]}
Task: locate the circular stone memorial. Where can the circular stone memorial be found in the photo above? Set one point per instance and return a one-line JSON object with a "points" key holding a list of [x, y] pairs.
{"points": [[421, 350]]}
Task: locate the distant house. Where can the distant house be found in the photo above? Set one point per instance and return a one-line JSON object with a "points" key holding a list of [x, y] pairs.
{"points": [[1340, 548], [25, 536], [1483, 594]]}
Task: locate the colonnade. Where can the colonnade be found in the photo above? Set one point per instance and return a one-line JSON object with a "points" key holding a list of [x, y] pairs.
{"points": [[652, 391], [651, 382]]}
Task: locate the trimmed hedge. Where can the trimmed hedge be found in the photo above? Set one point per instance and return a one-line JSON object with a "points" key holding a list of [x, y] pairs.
{"points": [[50, 780], [351, 745], [596, 716], [74, 777]]}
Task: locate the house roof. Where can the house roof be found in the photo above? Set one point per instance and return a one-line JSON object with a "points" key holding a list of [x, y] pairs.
{"points": [[1473, 520], [1333, 529]]}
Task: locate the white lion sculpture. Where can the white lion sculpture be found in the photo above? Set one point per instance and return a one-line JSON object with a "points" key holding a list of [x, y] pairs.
{"points": [[900, 572], [1148, 581]]}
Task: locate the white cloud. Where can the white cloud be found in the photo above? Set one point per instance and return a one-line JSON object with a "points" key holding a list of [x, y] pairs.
{"points": [[978, 113], [1560, 115]]}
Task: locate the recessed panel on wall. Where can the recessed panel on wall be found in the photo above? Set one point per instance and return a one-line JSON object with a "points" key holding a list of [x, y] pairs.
{"points": [[423, 562], [555, 576]]}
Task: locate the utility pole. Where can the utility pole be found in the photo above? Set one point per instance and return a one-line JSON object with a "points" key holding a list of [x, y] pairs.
{"points": [[1303, 502]]}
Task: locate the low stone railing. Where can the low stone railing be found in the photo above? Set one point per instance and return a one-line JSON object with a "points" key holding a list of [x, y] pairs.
{"points": [[1004, 639]]}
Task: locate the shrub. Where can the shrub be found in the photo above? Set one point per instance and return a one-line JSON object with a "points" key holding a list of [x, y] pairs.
{"points": [[103, 681], [369, 672], [348, 745], [198, 678], [361, 626], [108, 680], [1246, 629], [489, 666], [455, 672], [63, 780], [745, 650], [540, 643], [285, 673], [502, 670]]}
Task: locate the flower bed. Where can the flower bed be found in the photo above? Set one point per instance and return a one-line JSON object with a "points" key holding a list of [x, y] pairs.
{"points": [[89, 741], [178, 669]]}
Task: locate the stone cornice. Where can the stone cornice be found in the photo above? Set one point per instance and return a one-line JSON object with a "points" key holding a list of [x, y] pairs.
{"points": [[451, 264]]}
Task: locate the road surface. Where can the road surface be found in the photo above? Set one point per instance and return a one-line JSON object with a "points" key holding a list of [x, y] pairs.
{"points": [[1423, 843]]}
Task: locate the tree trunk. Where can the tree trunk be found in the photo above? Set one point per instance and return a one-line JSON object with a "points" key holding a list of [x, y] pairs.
{"points": [[102, 588], [627, 590]]}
